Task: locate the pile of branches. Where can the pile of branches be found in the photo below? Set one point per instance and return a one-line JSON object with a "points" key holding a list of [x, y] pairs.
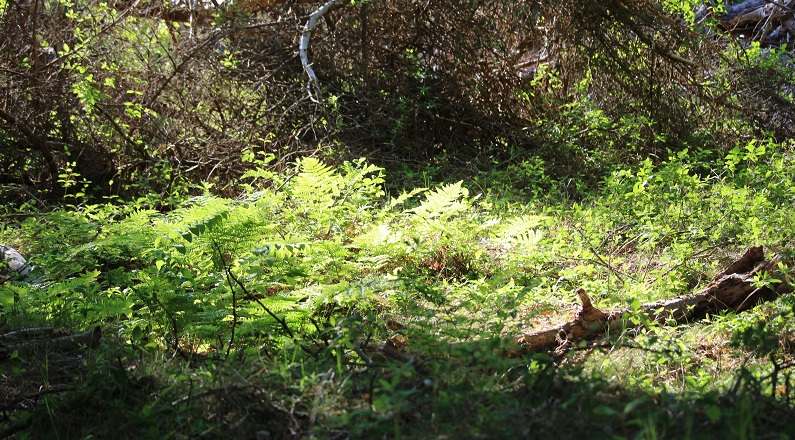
{"points": [[131, 98], [138, 95], [769, 22]]}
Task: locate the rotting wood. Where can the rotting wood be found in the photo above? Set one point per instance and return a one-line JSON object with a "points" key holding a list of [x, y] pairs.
{"points": [[732, 289], [27, 333], [766, 21]]}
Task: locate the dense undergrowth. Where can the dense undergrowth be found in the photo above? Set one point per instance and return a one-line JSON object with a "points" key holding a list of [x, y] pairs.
{"points": [[317, 305]]}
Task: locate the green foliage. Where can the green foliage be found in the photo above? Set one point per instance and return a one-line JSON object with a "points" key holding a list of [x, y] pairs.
{"points": [[174, 188], [388, 316]]}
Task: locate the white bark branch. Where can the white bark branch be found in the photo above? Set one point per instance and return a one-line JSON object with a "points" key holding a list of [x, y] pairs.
{"points": [[303, 48]]}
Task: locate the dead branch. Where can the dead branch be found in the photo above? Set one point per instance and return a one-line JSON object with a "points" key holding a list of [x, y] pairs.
{"points": [[32, 332], [303, 48], [732, 289]]}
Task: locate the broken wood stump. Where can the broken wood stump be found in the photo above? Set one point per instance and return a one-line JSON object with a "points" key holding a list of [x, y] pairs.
{"points": [[731, 289]]}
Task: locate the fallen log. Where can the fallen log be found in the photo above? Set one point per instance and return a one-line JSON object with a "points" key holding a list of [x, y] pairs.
{"points": [[731, 289], [749, 11], [31, 332]]}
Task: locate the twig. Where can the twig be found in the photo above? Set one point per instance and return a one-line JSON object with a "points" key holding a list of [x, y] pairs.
{"points": [[595, 253], [234, 295], [88, 40], [193, 52], [282, 322]]}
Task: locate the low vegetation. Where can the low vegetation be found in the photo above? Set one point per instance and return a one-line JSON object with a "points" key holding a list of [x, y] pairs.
{"points": [[317, 304], [346, 219]]}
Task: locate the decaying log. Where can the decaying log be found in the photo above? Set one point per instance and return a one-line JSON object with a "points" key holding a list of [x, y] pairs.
{"points": [[14, 262], [29, 333], [732, 289], [749, 11]]}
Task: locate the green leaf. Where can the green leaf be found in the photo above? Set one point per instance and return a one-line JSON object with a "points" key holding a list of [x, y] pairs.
{"points": [[713, 413], [606, 411]]}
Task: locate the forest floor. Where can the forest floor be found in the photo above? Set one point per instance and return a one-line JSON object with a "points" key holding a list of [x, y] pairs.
{"points": [[316, 305]]}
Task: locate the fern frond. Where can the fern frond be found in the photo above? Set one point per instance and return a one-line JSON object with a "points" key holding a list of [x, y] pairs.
{"points": [[404, 197], [316, 183], [444, 201], [523, 231]]}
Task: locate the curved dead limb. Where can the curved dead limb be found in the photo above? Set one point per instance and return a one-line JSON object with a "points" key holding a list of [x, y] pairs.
{"points": [[732, 289], [303, 48]]}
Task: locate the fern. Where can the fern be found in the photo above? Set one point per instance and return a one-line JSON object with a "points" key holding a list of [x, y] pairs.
{"points": [[522, 227], [443, 202], [197, 216], [280, 250], [404, 197], [315, 184]]}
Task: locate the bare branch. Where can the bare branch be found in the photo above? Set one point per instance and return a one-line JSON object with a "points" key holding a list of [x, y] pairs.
{"points": [[303, 48]]}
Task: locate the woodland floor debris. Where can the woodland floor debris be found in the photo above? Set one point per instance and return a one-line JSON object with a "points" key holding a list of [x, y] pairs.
{"points": [[732, 289]]}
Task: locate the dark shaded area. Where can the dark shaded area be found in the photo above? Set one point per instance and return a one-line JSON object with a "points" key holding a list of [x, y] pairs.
{"points": [[440, 390]]}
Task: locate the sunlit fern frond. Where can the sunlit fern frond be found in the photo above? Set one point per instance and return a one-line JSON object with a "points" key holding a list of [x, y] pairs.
{"points": [[443, 202]]}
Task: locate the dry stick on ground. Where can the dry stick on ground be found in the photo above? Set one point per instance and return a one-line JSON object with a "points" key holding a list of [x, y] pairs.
{"points": [[732, 289]]}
